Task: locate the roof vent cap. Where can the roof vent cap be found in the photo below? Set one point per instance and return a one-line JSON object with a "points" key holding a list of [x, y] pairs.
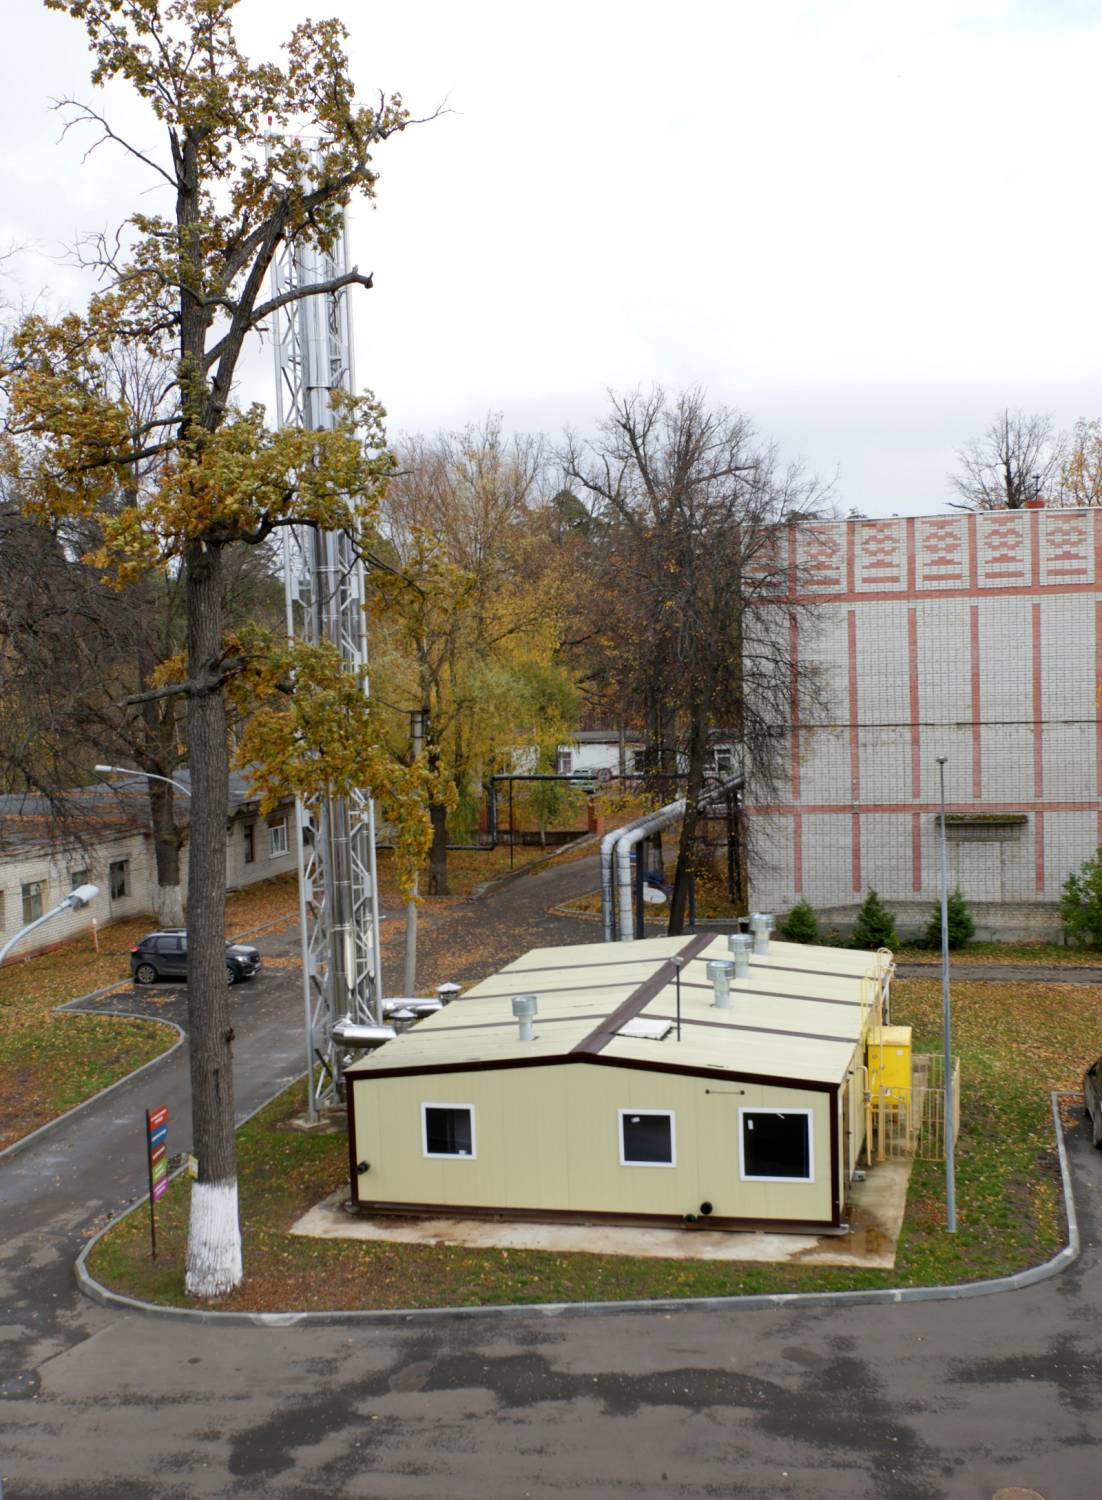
{"points": [[524, 1008], [740, 944], [761, 925], [719, 971]]}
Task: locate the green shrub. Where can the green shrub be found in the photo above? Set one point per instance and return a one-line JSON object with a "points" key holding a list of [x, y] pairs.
{"points": [[801, 925], [875, 925], [1081, 904], [959, 922]]}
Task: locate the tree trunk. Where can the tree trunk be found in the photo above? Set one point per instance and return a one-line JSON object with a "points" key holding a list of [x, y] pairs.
{"points": [[214, 1236], [166, 847], [438, 855], [697, 749]]}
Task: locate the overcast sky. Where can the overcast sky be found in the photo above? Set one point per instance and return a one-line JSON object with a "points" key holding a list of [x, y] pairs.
{"points": [[870, 224]]}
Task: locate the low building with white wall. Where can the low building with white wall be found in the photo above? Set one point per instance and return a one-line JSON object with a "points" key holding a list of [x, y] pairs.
{"points": [[976, 637], [111, 845]]}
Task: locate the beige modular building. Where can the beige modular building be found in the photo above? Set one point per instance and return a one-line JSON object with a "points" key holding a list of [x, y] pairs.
{"points": [[750, 1116]]}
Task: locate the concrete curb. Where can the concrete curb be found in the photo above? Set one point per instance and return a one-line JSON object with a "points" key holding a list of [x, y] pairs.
{"points": [[73, 1008], [1018, 1282]]}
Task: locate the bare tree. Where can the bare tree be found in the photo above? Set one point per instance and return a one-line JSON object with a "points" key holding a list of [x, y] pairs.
{"points": [[1018, 459], [690, 578]]}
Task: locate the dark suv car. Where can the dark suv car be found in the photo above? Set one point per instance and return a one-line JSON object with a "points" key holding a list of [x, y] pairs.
{"points": [[163, 955]]}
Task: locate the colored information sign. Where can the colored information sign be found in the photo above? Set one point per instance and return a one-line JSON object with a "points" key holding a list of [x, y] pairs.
{"points": [[156, 1141]]}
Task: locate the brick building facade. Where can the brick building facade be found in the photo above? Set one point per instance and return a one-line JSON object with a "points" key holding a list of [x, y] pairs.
{"points": [[977, 637]]}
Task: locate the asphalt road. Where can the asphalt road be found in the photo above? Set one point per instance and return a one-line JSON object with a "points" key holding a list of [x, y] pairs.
{"points": [[935, 1401]]}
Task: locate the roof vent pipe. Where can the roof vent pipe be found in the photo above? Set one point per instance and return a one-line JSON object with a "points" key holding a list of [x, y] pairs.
{"points": [[739, 944], [524, 1008], [719, 971], [446, 993], [761, 925]]}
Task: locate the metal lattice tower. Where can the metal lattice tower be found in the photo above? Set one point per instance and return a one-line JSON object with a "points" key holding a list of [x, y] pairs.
{"points": [[324, 591]]}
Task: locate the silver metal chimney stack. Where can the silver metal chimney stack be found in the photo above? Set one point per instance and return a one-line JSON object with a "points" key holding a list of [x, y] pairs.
{"points": [[761, 925], [719, 971], [739, 944], [524, 1008]]}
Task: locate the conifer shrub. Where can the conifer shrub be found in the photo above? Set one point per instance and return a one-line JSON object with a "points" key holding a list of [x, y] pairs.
{"points": [[875, 925], [1081, 904], [801, 925], [961, 927]]}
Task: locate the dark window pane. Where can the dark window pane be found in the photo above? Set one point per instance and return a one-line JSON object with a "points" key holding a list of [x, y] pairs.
{"points": [[448, 1132], [648, 1138], [776, 1145]]}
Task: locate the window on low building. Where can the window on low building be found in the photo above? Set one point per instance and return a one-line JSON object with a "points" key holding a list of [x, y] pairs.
{"points": [[119, 877], [775, 1145], [33, 892], [564, 762], [250, 843], [448, 1129], [647, 1138], [79, 877], [277, 839]]}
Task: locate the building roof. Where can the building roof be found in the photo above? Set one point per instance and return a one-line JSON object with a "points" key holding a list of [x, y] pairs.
{"points": [[796, 1019]]}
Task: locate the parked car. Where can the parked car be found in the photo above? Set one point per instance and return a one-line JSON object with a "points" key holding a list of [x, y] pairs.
{"points": [[1092, 1101], [163, 955]]}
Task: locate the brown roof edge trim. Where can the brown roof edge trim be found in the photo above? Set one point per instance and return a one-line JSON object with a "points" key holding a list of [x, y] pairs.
{"points": [[601, 1035], [353, 1174], [812, 1036], [837, 1146], [557, 1059]]}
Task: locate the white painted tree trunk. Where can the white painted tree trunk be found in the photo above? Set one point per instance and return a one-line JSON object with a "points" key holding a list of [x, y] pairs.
{"points": [[214, 1240], [170, 906]]}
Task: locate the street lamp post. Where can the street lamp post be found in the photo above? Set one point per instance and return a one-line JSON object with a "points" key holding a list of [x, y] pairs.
{"points": [[73, 902], [149, 776], [947, 1021]]}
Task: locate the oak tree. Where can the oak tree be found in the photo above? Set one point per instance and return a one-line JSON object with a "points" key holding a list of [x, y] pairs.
{"points": [[255, 155]]}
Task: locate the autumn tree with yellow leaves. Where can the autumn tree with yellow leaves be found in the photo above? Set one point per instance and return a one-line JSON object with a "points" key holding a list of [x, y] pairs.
{"points": [[470, 606], [188, 284]]}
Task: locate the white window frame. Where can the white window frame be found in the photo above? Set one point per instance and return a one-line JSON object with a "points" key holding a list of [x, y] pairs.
{"points": [[277, 839], [446, 1155], [750, 1109], [32, 891], [564, 762], [672, 1117]]}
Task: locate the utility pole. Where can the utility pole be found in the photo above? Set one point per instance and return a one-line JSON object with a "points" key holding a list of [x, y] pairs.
{"points": [[324, 600], [947, 1021]]}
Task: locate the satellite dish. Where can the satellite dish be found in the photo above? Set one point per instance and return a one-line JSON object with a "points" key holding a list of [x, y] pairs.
{"points": [[654, 897]]}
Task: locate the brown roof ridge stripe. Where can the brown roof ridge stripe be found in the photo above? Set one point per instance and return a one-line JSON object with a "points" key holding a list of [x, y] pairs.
{"points": [[640, 998], [692, 984], [811, 1036]]}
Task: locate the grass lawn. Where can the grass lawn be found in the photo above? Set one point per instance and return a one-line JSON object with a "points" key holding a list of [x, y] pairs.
{"points": [[50, 1062], [1021, 955], [1016, 1042]]}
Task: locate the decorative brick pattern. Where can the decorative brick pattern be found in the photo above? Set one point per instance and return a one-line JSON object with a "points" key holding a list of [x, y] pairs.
{"points": [[821, 557], [881, 556], [942, 553], [1066, 552], [1004, 548]]}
